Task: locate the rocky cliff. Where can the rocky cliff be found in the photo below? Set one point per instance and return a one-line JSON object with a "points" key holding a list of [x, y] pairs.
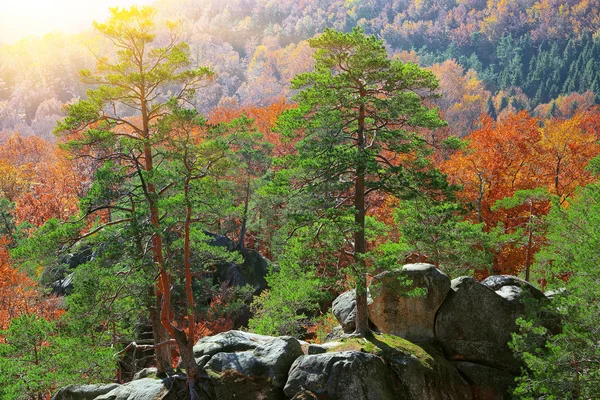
{"points": [[434, 339]]}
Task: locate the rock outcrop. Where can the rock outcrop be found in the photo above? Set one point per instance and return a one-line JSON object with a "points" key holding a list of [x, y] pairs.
{"points": [[83, 392], [486, 383], [341, 375], [379, 367], [406, 300], [475, 322], [462, 328], [344, 309], [235, 361], [141, 389]]}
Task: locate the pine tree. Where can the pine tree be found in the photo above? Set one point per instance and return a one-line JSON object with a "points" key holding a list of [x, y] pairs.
{"points": [[358, 110], [139, 80], [490, 109]]}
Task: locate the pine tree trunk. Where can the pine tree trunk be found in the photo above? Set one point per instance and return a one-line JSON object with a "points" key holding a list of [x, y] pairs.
{"points": [[240, 244], [160, 335], [360, 245]]}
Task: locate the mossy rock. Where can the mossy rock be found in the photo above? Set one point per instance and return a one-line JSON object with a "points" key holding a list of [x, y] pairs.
{"points": [[231, 384], [386, 347], [420, 371]]}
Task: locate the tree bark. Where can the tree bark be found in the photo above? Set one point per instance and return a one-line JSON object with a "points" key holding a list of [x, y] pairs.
{"points": [[159, 331], [240, 244], [360, 245]]}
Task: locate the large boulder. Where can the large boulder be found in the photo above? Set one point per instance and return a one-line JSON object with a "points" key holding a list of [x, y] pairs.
{"points": [[417, 373], [344, 310], [63, 287], [252, 271], [513, 288], [475, 322], [229, 342], [141, 389], [336, 334], [486, 383], [406, 300], [243, 365], [341, 375], [272, 359], [83, 392], [428, 375]]}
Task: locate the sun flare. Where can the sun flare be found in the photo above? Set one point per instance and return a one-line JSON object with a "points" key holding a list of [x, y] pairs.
{"points": [[22, 18]]}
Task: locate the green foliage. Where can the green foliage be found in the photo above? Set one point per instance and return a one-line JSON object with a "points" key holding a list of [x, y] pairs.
{"points": [[43, 250], [567, 364], [39, 356], [7, 225], [358, 113], [390, 93], [439, 232], [295, 288], [523, 197]]}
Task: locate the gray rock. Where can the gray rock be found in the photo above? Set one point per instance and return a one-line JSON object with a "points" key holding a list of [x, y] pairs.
{"points": [[229, 342], [271, 359], [429, 377], [63, 287], [405, 301], [252, 271], [341, 375], [141, 389], [550, 294], [322, 348], [512, 288], [475, 323], [336, 334], [83, 392], [487, 383], [144, 373], [344, 309], [316, 349]]}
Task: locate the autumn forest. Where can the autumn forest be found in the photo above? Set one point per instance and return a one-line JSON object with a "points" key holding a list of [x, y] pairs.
{"points": [[192, 167]]}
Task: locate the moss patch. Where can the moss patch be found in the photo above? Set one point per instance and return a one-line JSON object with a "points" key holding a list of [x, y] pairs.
{"points": [[386, 346]]}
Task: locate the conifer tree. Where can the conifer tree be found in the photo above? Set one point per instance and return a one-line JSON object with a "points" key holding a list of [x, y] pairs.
{"points": [[118, 122], [359, 111]]}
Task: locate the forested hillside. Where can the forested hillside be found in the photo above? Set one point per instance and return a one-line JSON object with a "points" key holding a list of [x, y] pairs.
{"points": [[525, 53], [198, 166]]}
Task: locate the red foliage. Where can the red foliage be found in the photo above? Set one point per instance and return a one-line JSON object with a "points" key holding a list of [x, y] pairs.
{"points": [[264, 120], [522, 152], [19, 295]]}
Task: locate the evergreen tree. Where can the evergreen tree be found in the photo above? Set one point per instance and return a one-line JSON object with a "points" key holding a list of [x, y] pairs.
{"points": [[566, 364], [143, 80], [490, 109], [358, 110]]}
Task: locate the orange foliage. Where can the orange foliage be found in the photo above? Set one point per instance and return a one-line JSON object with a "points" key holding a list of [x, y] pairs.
{"points": [[567, 106], [520, 152], [18, 294], [215, 321], [567, 147], [264, 119], [500, 159], [39, 178], [53, 194], [463, 96]]}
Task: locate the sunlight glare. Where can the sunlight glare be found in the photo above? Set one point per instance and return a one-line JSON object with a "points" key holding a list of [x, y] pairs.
{"points": [[21, 18]]}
